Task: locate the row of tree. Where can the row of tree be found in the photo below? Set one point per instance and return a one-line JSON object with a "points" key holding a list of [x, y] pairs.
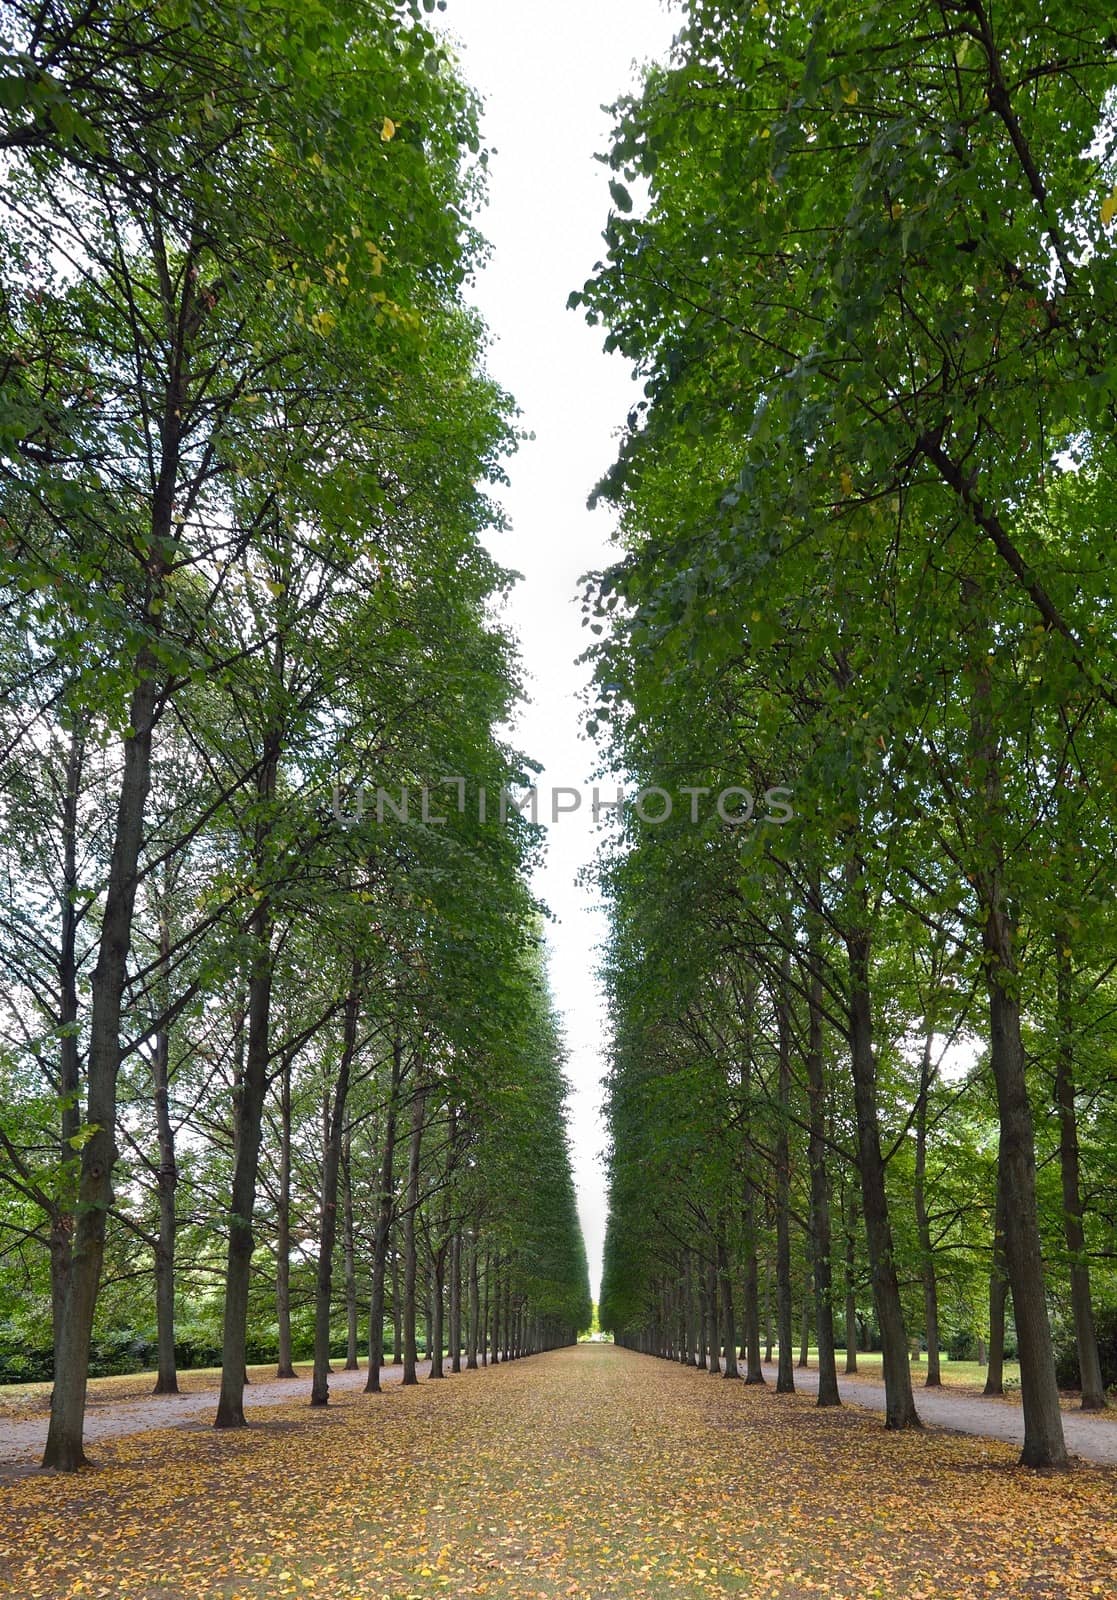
{"points": [[246, 432], [862, 259]]}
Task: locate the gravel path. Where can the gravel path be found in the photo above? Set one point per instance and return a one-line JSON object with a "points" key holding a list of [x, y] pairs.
{"points": [[22, 1440], [1092, 1437]]}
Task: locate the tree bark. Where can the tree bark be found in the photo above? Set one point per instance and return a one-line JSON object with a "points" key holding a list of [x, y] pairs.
{"points": [[474, 1307], [900, 1409], [383, 1233], [851, 1282], [397, 1311], [249, 1111], [714, 1312], [767, 1309], [456, 1301], [998, 1296], [785, 1377], [437, 1303], [69, 1058], [166, 1381], [331, 1169], [750, 1312], [64, 1451], [1044, 1445], [923, 1227], [727, 1309], [352, 1364], [820, 1237], [285, 1365], [410, 1218], [1089, 1361], [686, 1354]]}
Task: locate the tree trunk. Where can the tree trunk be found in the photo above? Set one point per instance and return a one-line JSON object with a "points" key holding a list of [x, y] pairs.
{"points": [[923, 1227], [437, 1294], [485, 1316], [348, 1246], [69, 1059], [714, 1312], [64, 1450], [397, 1311], [1044, 1445], [410, 1253], [1089, 1362], [166, 1381], [805, 1324], [754, 1372], [750, 1311], [249, 1111], [331, 1168], [496, 1312], [727, 1310], [474, 1306], [767, 1309], [686, 1355], [900, 1409], [285, 1364], [785, 1377], [998, 1296], [820, 1237], [456, 1302], [382, 1236], [851, 1285]]}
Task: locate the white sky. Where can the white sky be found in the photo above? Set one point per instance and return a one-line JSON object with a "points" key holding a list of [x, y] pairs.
{"points": [[545, 72]]}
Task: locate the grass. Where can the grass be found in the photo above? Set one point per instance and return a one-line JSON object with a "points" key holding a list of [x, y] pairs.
{"points": [[967, 1376], [29, 1399]]}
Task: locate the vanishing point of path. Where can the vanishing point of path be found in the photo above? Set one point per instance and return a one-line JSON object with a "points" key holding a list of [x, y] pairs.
{"points": [[591, 1474]]}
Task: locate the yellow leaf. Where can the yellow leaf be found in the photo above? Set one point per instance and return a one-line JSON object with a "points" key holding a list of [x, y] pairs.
{"points": [[849, 92], [388, 130], [847, 481], [1109, 209]]}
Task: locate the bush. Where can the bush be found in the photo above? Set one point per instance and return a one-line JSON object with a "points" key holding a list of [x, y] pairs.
{"points": [[197, 1347], [1066, 1354], [23, 1361], [121, 1350], [962, 1345]]}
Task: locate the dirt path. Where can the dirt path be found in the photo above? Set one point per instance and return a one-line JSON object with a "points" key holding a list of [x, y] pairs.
{"points": [[587, 1474], [22, 1439], [1093, 1438]]}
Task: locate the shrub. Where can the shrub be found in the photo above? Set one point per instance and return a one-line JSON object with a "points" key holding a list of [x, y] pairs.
{"points": [[1066, 1354], [962, 1345], [21, 1360]]}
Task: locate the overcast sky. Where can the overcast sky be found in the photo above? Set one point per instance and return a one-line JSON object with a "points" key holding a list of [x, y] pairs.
{"points": [[544, 73]]}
